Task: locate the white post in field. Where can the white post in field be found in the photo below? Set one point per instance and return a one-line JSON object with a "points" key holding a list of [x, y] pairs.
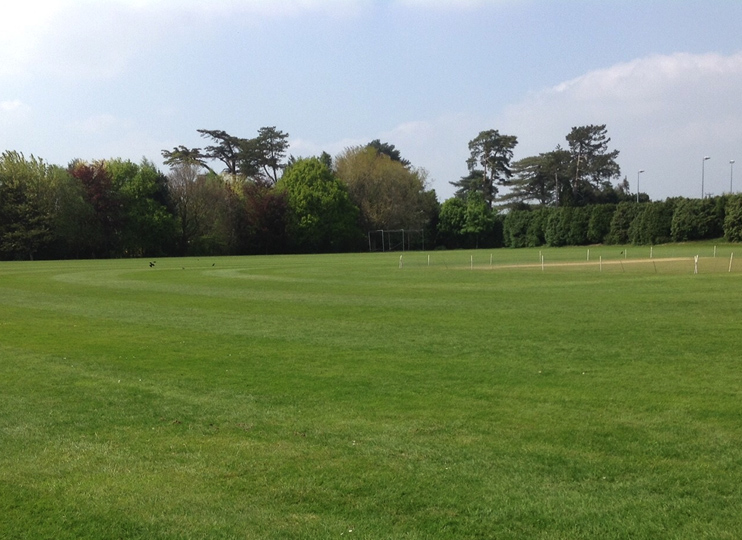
{"points": [[714, 252], [651, 252], [542, 263], [588, 254], [731, 258], [400, 261], [695, 266], [428, 260], [472, 262]]}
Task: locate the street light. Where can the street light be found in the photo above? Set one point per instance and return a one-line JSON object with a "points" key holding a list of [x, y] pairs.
{"points": [[731, 174], [703, 170], [637, 184]]}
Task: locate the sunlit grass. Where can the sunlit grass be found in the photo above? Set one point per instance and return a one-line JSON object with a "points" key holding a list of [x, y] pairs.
{"points": [[308, 397]]}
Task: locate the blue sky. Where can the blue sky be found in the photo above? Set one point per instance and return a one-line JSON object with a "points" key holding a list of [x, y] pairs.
{"points": [[99, 79]]}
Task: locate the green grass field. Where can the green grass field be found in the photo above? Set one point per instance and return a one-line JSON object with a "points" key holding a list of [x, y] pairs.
{"points": [[343, 396]]}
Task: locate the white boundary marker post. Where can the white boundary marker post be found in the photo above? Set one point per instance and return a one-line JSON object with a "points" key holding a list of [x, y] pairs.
{"points": [[695, 265], [428, 260], [542, 263], [714, 252], [588, 254], [731, 258], [400, 261], [472, 262], [490, 260], [651, 252]]}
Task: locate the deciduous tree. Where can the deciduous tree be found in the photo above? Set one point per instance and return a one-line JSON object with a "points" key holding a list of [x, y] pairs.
{"points": [[322, 215], [468, 222], [389, 194], [104, 230], [182, 184], [148, 226], [452, 221], [265, 214], [25, 208]]}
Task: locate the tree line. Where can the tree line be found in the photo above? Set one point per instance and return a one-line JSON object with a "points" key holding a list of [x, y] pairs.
{"points": [[240, 196], [645, 223], [235, 196]]}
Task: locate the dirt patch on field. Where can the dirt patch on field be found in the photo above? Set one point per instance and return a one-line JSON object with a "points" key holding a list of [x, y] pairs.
{"points": [[612, 262]]}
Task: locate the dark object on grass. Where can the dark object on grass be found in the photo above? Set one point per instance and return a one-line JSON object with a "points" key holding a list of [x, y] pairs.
{"points": [[152, 264]]}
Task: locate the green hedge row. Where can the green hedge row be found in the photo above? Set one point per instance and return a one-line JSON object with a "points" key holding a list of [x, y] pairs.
{"points": [[672, 220]]}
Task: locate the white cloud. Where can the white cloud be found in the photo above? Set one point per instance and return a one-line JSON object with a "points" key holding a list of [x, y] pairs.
{"points": [[342, 8], [21, 26], [13, 106], [451, 4], [97, 39], [100, 125], [69, 38], [14, 118], [664, 113]]}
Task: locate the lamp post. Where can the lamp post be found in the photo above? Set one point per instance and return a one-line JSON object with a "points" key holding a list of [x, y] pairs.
{"points": [[703, 171], [637, 183], [731, 175]]}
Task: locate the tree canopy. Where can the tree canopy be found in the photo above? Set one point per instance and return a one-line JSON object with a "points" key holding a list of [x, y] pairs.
{"points": [[182, 155], [225, 149], [260, 158], [543, 179], [25, 208], [388, 150], [322, 215], [577, 176], [390, 194], [490, 157], [592, 165]]}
